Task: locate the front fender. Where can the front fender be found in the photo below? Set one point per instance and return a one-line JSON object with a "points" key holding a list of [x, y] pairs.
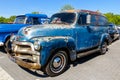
{"points": [[56, 43], [4, 37]]}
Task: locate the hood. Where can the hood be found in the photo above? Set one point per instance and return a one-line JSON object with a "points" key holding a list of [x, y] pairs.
{"points": [[10, 27], [49, 30]]}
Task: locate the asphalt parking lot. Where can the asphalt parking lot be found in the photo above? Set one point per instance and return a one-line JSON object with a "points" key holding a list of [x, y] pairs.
{"points": [[93, 67]]}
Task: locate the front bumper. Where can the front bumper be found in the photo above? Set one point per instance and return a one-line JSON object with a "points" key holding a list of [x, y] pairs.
{"points": [[1, 44], [23, 54], [24, 63]]}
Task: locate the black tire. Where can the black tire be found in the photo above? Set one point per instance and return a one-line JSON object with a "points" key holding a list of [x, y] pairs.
{"points": [[7, 46], [103, 48], [57, 64]]}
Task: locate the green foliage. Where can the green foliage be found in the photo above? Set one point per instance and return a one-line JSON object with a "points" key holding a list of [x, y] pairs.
{"points": [[67, 7], [11, 19], [35, 12], [7, 20], [113, 18], [2, 20]]}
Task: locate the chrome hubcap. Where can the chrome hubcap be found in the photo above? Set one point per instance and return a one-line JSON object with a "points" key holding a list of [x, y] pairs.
{"points": [[104, 48], [56, 62]]}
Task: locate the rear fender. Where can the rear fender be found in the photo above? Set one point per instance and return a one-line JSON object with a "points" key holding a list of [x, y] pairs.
{"points": [[105, 38]]}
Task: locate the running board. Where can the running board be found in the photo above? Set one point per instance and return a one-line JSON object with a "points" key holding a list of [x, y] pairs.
{"points": [[82, 54]]}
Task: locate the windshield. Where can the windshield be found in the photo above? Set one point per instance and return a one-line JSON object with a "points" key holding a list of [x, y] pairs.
{"points": [[20, 20], [63, 18]]}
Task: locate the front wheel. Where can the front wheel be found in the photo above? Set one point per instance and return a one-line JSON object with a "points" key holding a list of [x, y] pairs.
{"points": [[57, 64], [7, 46], [103, 48]]}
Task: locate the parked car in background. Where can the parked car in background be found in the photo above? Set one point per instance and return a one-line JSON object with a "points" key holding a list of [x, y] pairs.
{"points": [[118, 27], [6, 30], [70, 35], [114, 32]]}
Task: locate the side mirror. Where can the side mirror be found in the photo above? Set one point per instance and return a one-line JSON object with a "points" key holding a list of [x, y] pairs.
{"points": [[88, 19]]}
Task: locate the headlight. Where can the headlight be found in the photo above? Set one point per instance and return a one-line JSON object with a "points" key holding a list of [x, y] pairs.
{"points": [[37, 45]]}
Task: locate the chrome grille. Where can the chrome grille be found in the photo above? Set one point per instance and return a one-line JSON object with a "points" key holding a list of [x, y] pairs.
{"points": [[25, 51]]}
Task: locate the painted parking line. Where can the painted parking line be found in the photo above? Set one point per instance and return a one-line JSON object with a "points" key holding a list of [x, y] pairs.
{"points": [[4, 75]]}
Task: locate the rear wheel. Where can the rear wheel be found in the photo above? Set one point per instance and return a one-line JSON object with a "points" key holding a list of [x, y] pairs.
{"points": [[57, 64], [103, 48]]}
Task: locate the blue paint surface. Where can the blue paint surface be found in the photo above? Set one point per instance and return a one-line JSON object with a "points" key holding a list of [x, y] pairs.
{"points": [[7, 29], [66, 32]]}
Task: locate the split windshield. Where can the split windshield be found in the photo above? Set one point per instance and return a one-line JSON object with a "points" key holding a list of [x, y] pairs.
{"points": [[63, 18], [20, 20]]}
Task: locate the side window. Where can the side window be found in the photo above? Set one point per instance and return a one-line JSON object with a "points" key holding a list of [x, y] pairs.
{"points": [[97, 20], [94, 20], [44, 20], [103, 21], [29, 21], [82, 19], [35, 21]]}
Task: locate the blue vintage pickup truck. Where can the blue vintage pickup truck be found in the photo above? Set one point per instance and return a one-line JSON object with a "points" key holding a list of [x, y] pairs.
{"points": [[22, 20], [70, 35]]}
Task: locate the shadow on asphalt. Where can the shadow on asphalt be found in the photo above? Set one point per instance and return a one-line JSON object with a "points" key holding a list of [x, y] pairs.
{"points": [[35, 73], [2, 50], [85, 59]]}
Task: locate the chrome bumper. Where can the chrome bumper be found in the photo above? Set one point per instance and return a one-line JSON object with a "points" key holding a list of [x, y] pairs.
{"points": [[23, 54], [24, 63], [1, 44]]}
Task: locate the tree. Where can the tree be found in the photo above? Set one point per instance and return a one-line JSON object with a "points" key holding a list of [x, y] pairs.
{"points": [[110, 16], [67, 7], [11, 19], [113, 18], [35, 12], [2, 20]]}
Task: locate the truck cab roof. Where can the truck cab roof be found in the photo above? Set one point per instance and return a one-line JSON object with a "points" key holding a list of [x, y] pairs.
{"points": [[35, 15], [83, 11]]}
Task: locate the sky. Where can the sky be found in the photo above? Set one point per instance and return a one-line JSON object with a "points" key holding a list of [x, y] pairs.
{"points": [[49, 7]]}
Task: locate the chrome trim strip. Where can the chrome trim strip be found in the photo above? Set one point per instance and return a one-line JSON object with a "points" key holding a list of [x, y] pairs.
{"points": [[24, 43], [82, 54]]}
